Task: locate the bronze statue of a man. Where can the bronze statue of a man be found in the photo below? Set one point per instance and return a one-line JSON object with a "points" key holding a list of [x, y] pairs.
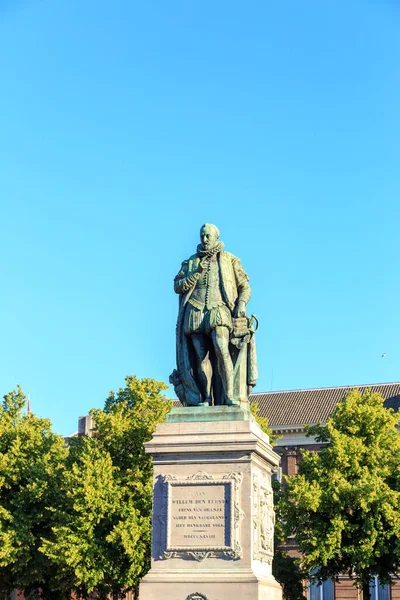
{"points": [[213, 332]]}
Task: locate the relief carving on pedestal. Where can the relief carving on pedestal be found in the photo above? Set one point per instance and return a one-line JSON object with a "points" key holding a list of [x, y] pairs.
{"points": [[263, 520], [200, 516]]}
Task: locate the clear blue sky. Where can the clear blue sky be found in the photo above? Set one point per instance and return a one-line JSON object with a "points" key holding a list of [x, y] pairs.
{"points": [[125, 125]]}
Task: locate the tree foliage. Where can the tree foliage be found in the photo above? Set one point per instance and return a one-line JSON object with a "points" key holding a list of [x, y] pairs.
{"points": [[263, 423], [102, 533], [31, 469], [343, 506], [76, 518], [290, 573]]}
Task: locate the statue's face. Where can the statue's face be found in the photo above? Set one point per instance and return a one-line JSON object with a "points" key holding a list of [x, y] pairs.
{"points": [[208, 237]]}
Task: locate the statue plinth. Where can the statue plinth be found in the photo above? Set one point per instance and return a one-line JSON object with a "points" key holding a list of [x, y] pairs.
{"points": [[213, 517]]}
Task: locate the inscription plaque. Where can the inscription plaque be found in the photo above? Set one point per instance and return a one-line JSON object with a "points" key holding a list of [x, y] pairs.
{"points": [[201, 516]]}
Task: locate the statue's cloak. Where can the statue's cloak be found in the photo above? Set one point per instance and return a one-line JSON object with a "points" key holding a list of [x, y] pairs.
{"points": [[190, 393]]}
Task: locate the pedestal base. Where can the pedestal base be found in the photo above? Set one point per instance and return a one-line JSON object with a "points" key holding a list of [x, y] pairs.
{"points": [[212, 586], [213, 517]]}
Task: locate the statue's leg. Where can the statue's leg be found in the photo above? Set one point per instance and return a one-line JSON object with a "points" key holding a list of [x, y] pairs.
{"points": [[220, 337], [201, 347]]}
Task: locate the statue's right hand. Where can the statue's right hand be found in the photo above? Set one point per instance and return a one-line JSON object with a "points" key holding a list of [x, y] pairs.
{"points": [[202, 266]]}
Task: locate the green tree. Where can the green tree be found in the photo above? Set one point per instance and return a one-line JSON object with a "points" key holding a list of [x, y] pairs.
{"points": [[343, 506], [31, 469], [101, 536], [263, 423]]}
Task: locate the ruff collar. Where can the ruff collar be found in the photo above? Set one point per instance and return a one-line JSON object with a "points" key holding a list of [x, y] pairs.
{"points": [[208, 253]]}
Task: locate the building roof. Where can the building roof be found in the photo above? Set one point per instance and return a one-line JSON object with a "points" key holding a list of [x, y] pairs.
{"points": [[291, 408]]}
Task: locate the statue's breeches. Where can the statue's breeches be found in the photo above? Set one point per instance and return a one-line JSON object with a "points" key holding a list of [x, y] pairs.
{"points": [[204, 321]]}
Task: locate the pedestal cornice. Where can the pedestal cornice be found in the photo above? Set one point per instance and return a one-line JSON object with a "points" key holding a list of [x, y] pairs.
{"points": [[210, 437]]}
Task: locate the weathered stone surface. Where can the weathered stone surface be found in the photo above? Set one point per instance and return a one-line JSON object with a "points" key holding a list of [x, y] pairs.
{"points": [[213, 517]]}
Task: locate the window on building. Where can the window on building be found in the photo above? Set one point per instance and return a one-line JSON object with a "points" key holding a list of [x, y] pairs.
{"points": [[323, 591], [379, 591]]}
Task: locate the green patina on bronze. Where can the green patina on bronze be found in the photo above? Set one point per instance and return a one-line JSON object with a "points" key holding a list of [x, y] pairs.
{"points": [[215, 342], [203, 413]]}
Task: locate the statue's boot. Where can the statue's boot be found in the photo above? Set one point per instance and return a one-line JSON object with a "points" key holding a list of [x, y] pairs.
{"points": [[207, 402], [232, 402]]}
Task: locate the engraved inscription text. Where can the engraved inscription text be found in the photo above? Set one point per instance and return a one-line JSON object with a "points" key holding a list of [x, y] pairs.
{"points": [[199, 515]]}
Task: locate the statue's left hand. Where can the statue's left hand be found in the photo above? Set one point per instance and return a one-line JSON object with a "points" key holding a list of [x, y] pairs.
{"points": [[240, 310]]}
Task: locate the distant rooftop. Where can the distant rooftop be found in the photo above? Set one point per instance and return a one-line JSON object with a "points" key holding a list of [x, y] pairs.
{"points": [[300, 407]]}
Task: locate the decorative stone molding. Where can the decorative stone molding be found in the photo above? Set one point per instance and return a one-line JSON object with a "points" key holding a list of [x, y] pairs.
{"points": [[263, 520], [290, 450], [289, 429], [231, 516]]}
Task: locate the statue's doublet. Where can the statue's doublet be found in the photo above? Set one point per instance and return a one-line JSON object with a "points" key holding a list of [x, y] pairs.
{"points": [[207, 292], [228, 278]]}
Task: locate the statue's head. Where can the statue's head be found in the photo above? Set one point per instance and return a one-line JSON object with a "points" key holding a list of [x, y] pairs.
{"points": [[209, 235]]}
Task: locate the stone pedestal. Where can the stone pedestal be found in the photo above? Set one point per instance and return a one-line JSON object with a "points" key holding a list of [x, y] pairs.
{"points": [[213, 518]]}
